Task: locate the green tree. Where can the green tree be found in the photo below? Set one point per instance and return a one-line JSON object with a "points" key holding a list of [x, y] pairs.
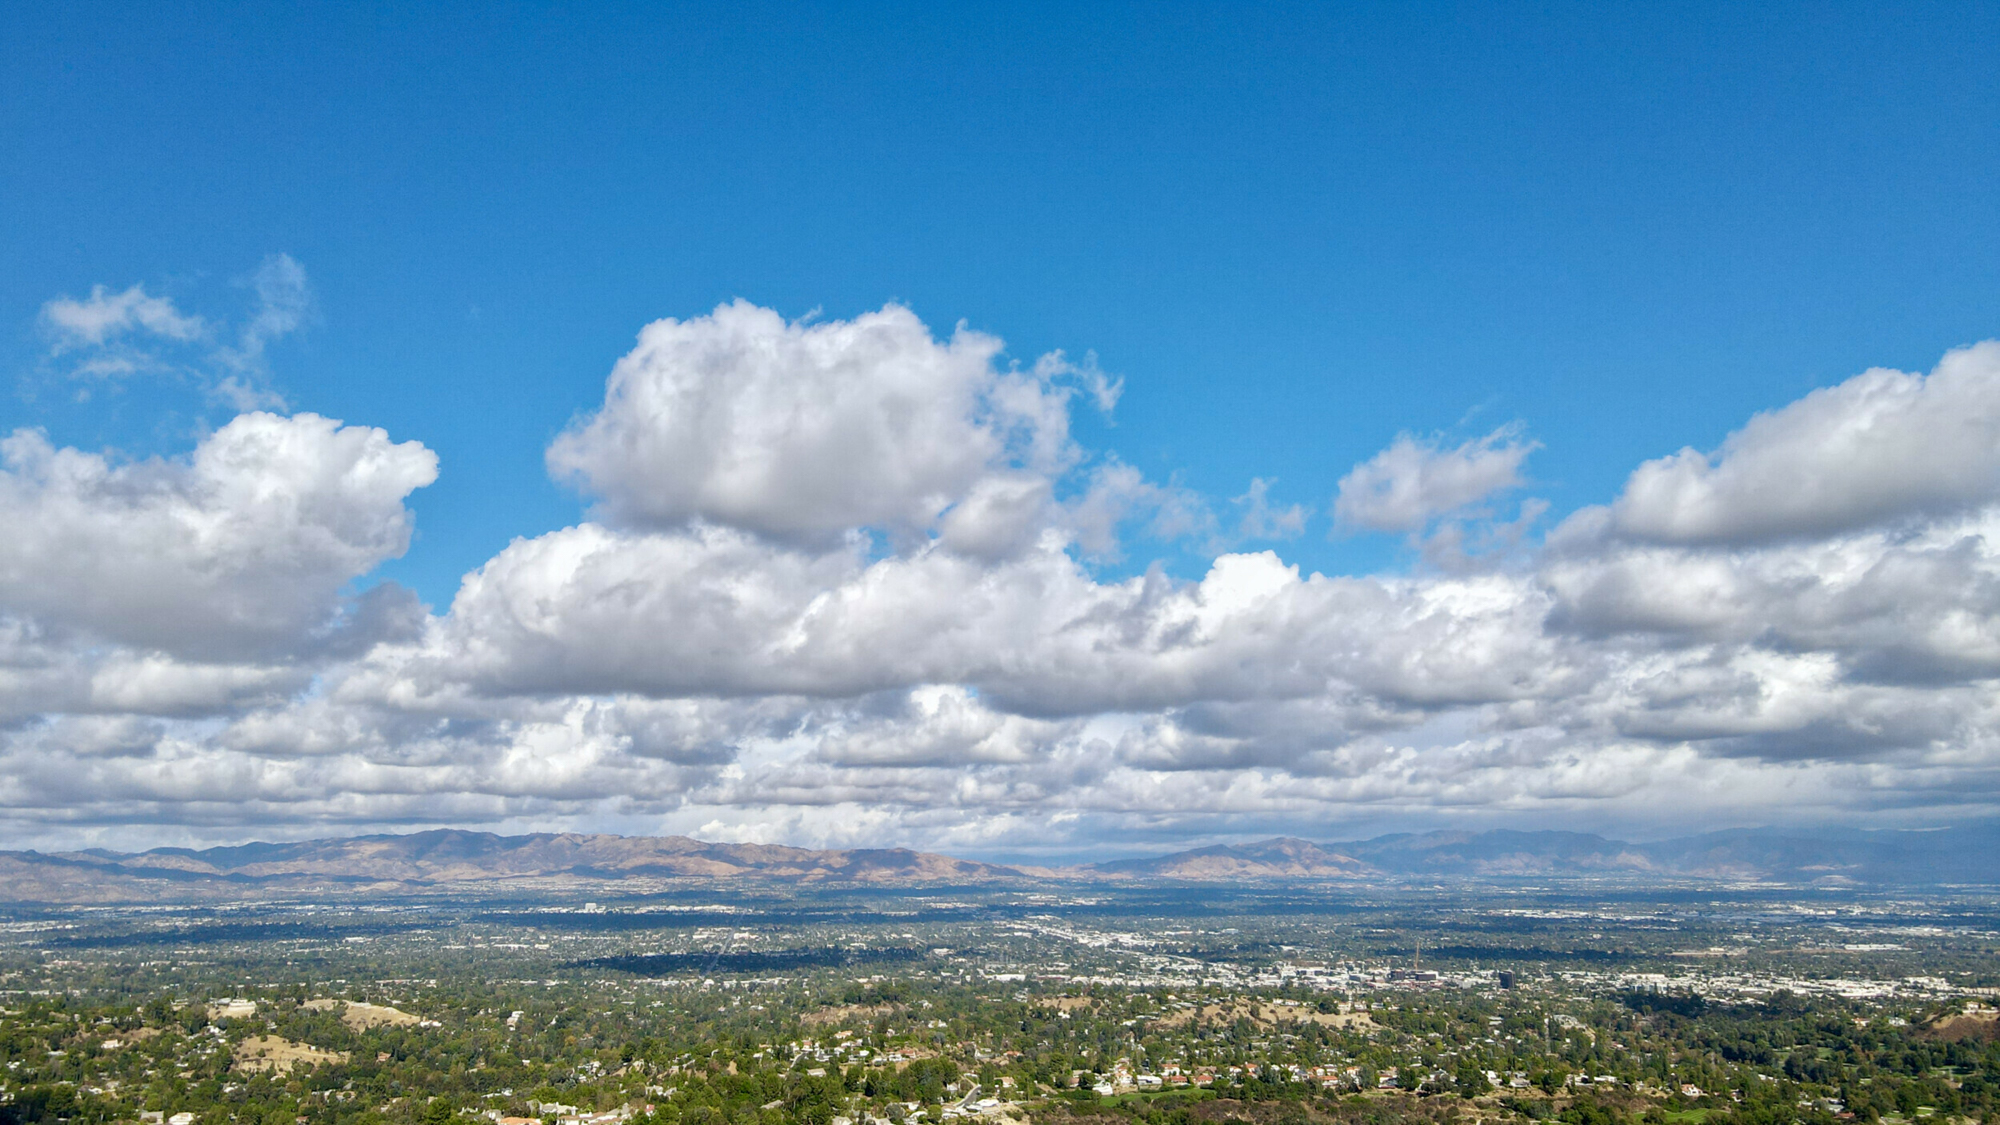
{"points": [[439, 1112]]}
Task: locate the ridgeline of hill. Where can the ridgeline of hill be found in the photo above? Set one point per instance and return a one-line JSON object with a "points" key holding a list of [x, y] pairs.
{"points": [[449, 859], [1943, 857], [484, 863]]}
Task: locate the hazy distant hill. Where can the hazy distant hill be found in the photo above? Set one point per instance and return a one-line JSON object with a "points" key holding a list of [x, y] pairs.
{"points": [[1271, 859], [446, 860], [1968, 854], [483, 863]]}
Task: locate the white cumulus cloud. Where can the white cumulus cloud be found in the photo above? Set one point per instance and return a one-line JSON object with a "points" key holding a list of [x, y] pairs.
{"points": [[244, 547], [1884, 446], [730, 648], [805, 431]]}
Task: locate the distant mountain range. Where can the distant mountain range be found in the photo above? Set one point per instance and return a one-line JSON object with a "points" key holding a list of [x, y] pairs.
{"points": [[484, 863], [1964, 855], [1281, 858], [454, 860]]}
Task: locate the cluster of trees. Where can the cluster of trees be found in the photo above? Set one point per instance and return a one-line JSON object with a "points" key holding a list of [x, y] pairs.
{"points": [[689, 1055]]}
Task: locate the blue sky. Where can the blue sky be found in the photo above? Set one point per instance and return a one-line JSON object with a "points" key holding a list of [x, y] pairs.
{"points": [[1294, 232]]}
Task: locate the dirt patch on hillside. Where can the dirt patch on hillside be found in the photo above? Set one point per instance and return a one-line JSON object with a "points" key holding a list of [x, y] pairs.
{"points": [[1066, 1003], [272, 1053], [1973, 1025], [841, 1013], [361, 1017]]}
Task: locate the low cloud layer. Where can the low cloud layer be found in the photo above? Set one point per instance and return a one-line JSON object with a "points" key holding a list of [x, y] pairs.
{"points": [[843, 583]]}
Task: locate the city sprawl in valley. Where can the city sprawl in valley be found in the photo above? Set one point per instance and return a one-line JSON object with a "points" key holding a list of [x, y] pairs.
{"points": [[804, 998]]}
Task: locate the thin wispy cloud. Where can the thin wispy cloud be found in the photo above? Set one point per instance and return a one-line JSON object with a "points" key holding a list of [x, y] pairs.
{"points": [[105, 316], [1264, 520], [109, 337], [1417, 480]]}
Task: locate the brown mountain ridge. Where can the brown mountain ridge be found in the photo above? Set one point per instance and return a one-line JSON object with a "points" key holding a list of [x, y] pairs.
{"points": [[448, 859], [485, 864]]}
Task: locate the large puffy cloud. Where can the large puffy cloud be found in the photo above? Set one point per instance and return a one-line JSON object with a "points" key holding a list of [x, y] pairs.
{"points": [[1906, 607], [718, 612], [149, 609], [721, 653], [1605, 669], [241, 549], [45, 673], [806, 431], [1882, 447]]}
